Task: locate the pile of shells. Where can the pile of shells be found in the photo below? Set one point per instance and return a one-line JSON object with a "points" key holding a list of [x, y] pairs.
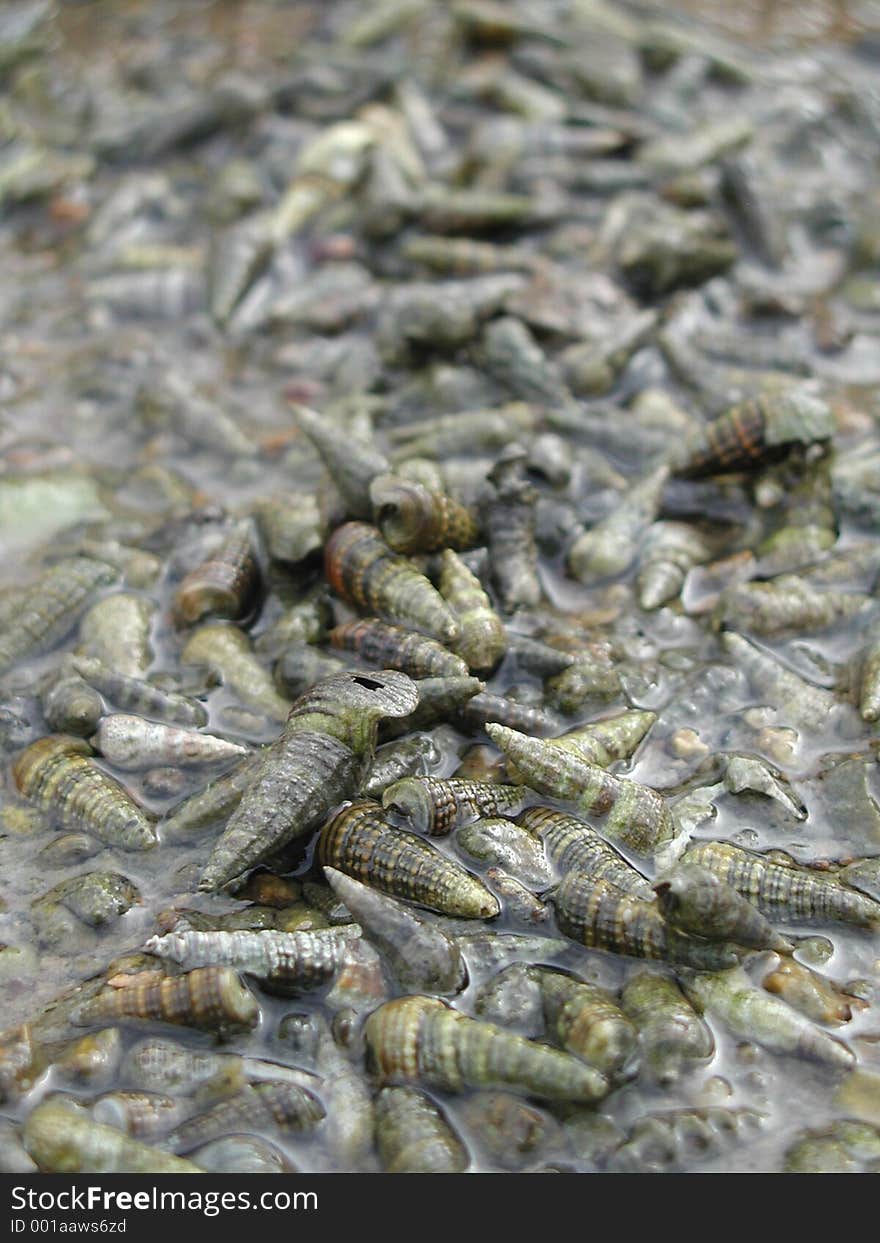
{"points": [[439, 642]]}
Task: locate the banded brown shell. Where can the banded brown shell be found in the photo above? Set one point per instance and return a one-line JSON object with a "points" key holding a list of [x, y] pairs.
{"points": [[208, 998], [226, 585], [393, 647], [757, 431], [414, 519], [436, 806], [572, 845]]}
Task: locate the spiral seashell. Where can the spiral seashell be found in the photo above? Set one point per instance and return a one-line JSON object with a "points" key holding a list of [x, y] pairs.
{"points": [[586, 1021], [48, 610], [694, 900], [482, 640], [352, 464], [226, 585], [670, 550], [396, 760], [362, 568], [208, 998], [319, 760], [501, 843], [392, 647], [71, 706], [142, 698], [228, 653], [63, 1139], [785, 894], [510, 528], [260, 1107], [572, 845], [143, 1115], [436, 806], [609, 548], [596, 914], [414, 1137], [117, 631], [634, 814], [360, 842], [132, 744], [756, 432], [215, 802], [421, 1040], [413, 519], [787, 605], [57, 775], [809, 992], [672, 1035]]}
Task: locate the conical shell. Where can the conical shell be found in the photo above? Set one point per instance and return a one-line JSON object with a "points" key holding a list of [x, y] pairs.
{"points": [[413, 519], [226, 585], [63, 1139], [209, 998], [586, 1021], [414, 1137], [694, 900], [572, 845], [393, 647], [132, 744], [436, 806], [482, 640]]}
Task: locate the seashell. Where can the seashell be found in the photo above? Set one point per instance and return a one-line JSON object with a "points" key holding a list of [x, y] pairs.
{"points": [[132, 744], [116, 631], [787, 605], [438, 698], [420, 953], [512, 999], [634, 814], [585, 1020], [171, 400], [164, 1066], [261, 1107], [845, 1147], [467, 432], [393, 647], [92, 1060], [135, 695], [422, 1040], [462, 256], [694, 900], [290, 526], [604, 742], [302, 666], [483, 707], [596, 914], [788, 894], [144, 1115], [589, 676], [319, 760], [228, 653], [20, 1064], [396, 760], [70, 706], [303, 623], [509, 1131], [510, 527], [869, 685], [215, 802], [670, 551], [360, 842], [413, 519], [361, 567], [572, 845], [285, 962], [209, 998], [750, 1013], [96, 898], [746, 772], [755, 432], [436, 806], [48, 610], [609, 548], [541, 659], [414, 1137], [674, 1140], [517, 900], [62, 1139], [242, 1154], [486, 951], [57, 775], [353, 465], [798, 703], [226, 585], [809, 992], [672, 1036], [500, 842], [512, 354]]}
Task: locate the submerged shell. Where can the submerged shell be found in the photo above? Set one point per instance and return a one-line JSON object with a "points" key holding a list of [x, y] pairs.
{"points": [[131, 743], [797, 702], [360, 842], [393, 647], [671, 549], [284, 961], [145, 1115], [585, 1020], [436, 805], [214, 803], [116, 631], [756, 431], [71, 706], [694, 900], [260, 1107], [228, 653], [413, 519], [63, 1139], [57, 774], [499, 842], [510, 528], [808, 991], [135, 695], [363, 570], [225, 585], [209, 998], [603, 742], [414, 1137], [783, 893], [573, 845], [750, 1013], [482, 640], [869, 687], [597, 914], [422, 1040], [610, 546], [634, 814], [411, 757], [788, 604], [671, 1033], [320, 759], [353, 465], [49, 609]]}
